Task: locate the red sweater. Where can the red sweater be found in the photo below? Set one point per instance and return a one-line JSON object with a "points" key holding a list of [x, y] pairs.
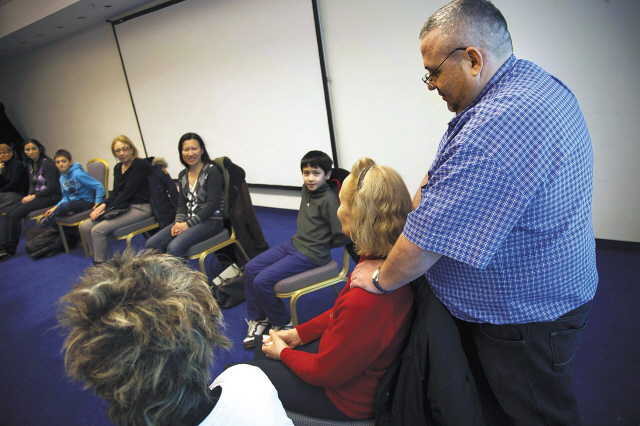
{"points": [[359, 339]]}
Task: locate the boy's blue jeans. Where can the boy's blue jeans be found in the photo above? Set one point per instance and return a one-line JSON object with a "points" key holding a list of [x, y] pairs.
{"points": [[77, 206], [263, 272]]}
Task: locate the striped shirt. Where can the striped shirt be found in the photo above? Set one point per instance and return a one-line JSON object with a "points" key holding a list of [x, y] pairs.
{"points": [[508, 203]]}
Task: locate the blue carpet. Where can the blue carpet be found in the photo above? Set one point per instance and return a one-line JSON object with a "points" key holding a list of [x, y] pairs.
{"points": [[35, 391]]}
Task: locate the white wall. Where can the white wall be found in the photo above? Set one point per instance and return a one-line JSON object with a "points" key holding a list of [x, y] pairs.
{"points": [[72, 93]]}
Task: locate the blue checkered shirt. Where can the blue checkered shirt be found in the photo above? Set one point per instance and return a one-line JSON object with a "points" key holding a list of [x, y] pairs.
{"points": [[508, 203]]}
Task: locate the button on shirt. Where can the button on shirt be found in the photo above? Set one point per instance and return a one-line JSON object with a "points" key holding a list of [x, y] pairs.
{"points": [[508, 203]]}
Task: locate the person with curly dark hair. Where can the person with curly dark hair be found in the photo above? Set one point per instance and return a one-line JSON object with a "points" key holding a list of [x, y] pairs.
{"points": [[141, 330]]}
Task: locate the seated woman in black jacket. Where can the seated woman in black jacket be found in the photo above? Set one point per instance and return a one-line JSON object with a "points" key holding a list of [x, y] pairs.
{"points": [[14, 178], [200, 201], [44, 191], [130, 189]]}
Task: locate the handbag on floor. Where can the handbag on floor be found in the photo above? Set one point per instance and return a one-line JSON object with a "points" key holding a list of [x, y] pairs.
{"points": [[44, 241], [228, 286]]}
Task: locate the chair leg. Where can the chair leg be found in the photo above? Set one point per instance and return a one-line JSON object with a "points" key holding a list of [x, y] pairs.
{"points": [[64, 239], [84, 243], [244, 253], [294, 312]]}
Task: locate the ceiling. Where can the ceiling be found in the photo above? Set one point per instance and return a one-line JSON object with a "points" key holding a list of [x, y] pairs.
{"points": [[74, 18]]}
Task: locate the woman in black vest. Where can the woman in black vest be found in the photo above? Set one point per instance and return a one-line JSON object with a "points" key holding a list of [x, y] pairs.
{"points": [[200, 201]]}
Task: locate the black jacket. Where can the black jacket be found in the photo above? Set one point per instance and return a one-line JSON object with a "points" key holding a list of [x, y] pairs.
{"points": [[431, 383], [242, 215], [15, 177]]}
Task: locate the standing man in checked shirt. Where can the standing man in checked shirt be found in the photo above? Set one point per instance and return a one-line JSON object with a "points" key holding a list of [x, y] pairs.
{"points": [[502, 226]]}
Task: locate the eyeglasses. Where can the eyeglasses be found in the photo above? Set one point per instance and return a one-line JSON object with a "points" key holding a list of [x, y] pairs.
{"points": [[5, 152], [428, 77], [122, 150]]}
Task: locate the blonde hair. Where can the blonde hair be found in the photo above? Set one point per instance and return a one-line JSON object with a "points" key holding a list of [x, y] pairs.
{"points": [[125, 140], [379, 208], [141, 330]]}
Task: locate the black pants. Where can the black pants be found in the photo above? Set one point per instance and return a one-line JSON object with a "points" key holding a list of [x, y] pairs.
{"points": [[295, 394], [10, 236], [529, 367]]}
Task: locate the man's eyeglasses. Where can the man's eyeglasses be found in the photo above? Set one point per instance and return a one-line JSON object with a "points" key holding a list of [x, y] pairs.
{"points": [[428, 77]]}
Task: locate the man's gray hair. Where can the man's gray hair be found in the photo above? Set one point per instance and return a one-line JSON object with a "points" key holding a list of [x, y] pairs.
{"points": [[465, 23]]}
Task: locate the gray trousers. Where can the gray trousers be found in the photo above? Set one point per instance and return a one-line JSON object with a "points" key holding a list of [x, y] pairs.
{"points": [[95, 233]]}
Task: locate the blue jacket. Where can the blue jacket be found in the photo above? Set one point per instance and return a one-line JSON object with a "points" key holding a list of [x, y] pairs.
{"points": [[79, 185]]}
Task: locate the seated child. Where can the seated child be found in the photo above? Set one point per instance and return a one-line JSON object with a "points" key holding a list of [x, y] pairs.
{"points": [[80, 191], [319, 230]]}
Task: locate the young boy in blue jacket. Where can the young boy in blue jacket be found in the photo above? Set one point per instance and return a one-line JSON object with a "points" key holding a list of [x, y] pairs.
{"points": [[80, 191], [319, 230]]}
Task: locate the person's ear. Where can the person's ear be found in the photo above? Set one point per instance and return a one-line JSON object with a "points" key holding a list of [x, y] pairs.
{"points": [[328, 174], [476, 60]]}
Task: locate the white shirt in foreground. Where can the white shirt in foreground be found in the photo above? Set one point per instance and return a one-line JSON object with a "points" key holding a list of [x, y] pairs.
{"points": [[247, 398]]}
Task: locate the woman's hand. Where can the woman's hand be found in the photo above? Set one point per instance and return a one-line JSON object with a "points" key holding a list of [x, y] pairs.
{"points": [[97, 211], [178, 228], [28, 198], [290, 337], [274, 344], [50, 211]]}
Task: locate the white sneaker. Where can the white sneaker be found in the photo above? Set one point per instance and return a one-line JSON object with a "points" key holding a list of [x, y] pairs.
{"points": [[256, 328], [288, 326]]}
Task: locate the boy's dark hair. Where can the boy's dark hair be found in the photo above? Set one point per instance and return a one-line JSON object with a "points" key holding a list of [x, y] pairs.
{"points": [[62, 153], [316, 159]]}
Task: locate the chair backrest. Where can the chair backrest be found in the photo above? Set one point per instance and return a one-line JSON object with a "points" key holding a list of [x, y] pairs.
{"points": [[99, 170], [338, 175]]}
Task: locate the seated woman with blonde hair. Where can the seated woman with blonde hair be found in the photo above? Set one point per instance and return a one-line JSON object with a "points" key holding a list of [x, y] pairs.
{"points": [[142, 330], [332, 365], [130, 195]]}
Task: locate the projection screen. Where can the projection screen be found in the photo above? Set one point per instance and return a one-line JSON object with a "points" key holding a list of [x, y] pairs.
{"points": [[244, 75]]}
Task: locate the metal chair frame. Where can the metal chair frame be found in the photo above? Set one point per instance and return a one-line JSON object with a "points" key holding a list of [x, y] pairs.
{"points": [[227, 212], [202, 255], [295, 295]]}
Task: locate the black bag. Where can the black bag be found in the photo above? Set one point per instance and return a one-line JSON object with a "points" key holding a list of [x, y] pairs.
{"points": [[46, 241], [231, 292]]}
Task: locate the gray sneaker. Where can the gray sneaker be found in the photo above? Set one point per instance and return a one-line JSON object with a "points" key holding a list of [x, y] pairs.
{"points": [[256, 328]]}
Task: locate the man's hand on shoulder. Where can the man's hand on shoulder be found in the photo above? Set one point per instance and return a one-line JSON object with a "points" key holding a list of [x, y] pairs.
{"points": [[361, 275]]}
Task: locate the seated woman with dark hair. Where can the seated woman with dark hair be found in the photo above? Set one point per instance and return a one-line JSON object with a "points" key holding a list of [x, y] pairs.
{"points": [[332, 365], [141, 330], [200, 201], [44, 191], [14, 178]]}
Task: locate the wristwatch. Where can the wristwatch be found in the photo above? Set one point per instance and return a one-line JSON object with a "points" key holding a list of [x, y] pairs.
{"points": [[374, 279]]}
